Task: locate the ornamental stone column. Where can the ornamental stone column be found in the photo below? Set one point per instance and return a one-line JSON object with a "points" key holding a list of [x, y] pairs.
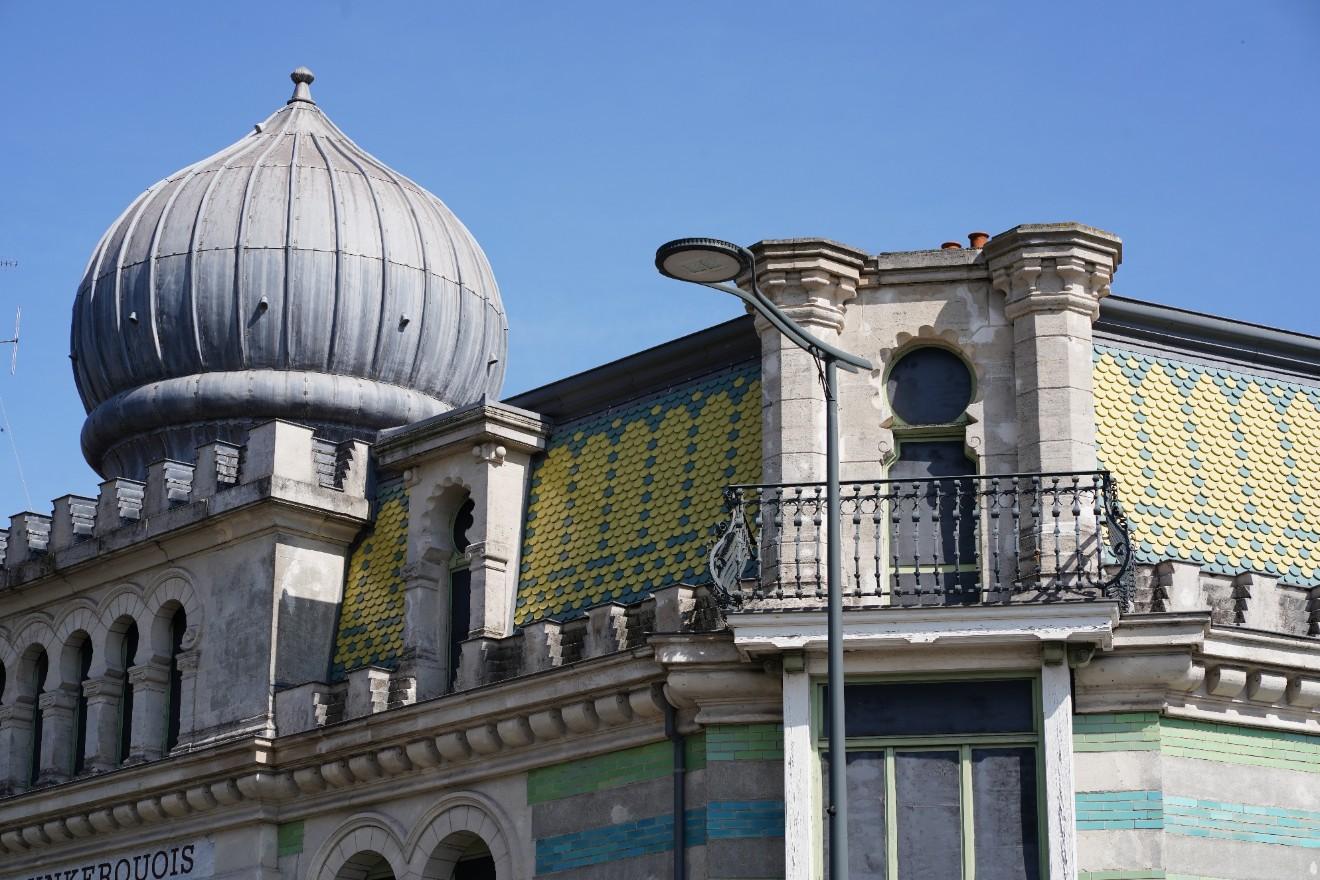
{"points": [[811, 280], [151, 683], [15, 745], [57, 739], [1053, 277], [103, 697]]}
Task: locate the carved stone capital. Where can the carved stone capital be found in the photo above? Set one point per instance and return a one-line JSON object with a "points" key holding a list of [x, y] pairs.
{"points": [[57, 701], [489, 554], [189, 661], [811, 279], [1054, 267], [108, 687], [149, 676]]}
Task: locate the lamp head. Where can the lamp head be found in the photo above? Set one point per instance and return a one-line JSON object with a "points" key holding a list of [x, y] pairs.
{"points": [[702, 260]]}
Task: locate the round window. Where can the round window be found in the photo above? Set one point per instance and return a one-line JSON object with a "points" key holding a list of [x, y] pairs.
{"points": [[929, 386]]}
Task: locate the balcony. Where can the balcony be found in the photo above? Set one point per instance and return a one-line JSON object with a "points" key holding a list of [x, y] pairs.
{"points": [[957, 541]]}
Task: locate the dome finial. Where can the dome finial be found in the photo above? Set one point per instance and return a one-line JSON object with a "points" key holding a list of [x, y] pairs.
{"points": [[302, 78]]}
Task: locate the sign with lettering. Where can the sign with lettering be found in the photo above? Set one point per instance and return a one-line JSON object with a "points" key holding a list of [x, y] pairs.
{"points": [[194, 860]]}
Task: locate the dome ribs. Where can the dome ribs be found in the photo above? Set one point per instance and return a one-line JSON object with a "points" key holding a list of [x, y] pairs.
{"points": [[344, 296], [245, 146], [243, 317], [339, 254]]}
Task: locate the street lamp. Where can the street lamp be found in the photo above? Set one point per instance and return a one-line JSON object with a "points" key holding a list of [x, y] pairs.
{"points": [[714, 263]]}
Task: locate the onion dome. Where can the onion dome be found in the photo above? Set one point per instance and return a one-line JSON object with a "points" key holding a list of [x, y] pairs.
{"points": [[291, 275]]}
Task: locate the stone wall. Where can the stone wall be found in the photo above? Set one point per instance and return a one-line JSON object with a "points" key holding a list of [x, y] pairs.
{"points": [[1168, 797]]}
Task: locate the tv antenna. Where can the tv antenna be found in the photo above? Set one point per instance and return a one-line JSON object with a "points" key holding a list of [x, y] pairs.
{"points": [[13, 358], [13, 368]]}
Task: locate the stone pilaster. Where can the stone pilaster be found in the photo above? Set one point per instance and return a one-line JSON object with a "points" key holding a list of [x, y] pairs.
{"points": [[15, 745], [1053, 277], [812, 280], [151, 683], [492, 593], [189, 661], [57, 737], [425, 628], [103, 696]]}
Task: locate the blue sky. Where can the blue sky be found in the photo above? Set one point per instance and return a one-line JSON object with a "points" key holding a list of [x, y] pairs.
{"points": [[573, 137]]}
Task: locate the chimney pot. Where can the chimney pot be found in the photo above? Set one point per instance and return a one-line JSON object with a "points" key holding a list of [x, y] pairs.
{"points": [[951, 245], [978, 239]]}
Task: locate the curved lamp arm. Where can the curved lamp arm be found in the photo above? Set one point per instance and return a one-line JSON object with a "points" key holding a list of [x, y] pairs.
{"points": [[786, 325]]}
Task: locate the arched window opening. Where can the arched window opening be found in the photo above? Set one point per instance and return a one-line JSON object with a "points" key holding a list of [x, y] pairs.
{"points": [[461, 855], [933, 528], [80, 707], [366, 865], [476, 862], [460, 589], [40, 668], [127, 660], [173, 706]]}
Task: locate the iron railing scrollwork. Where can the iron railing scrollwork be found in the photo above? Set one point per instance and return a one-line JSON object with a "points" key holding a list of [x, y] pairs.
{"points": [[940, 541]]}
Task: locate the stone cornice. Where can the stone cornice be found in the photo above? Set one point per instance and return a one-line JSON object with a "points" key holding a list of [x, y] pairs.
{"points": [[497, 425], [485, 732], [1181, 665], [759, 633]]}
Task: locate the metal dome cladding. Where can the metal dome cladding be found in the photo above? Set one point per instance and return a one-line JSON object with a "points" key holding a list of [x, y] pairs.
{"points": [[290, 275]]}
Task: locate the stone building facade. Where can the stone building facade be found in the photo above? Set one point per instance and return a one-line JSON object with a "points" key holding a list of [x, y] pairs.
{"points": [[340, 612]]}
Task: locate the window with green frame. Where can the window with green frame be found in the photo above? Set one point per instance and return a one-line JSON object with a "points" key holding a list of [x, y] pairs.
{"points": [[943, 778]]}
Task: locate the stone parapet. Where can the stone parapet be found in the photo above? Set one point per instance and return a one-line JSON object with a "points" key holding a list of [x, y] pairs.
{"points": [[279, 458]]}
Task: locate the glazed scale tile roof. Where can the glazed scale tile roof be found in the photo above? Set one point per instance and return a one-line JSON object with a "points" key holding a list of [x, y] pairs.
{"points": [[625, 500], [370, 629], [1214, 465]]}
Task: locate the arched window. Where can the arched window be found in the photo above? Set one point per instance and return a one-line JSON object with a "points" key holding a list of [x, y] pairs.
{"points": [[932, 528], [178, 624], [460, 589], [80, 707], [127, 660], [40, 667]]}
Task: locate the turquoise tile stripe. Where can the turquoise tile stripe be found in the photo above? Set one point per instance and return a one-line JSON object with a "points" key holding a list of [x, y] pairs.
{"points": [[1190, 817], [718, 820], [727, 820], [1245, 822], [625, 840], [1108, 810]]}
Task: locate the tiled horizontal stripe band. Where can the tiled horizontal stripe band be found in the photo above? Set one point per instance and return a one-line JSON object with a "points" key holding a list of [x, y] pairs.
{"points": [[727, 820], [745, 742], [613, 770], [1115, 810], [1244, 822], [1203, 740], [1111, 810]]}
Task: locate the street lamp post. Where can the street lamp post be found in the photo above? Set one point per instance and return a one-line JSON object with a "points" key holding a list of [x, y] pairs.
{"points": [[715, 263]]}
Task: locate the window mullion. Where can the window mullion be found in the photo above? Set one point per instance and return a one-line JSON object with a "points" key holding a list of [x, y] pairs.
{"points": [[891, 816], [966, 808]]}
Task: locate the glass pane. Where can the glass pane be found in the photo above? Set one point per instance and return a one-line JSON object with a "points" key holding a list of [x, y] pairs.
{"points": [[866, 814], [929, 815], [1004, 806], [929, 386], [938, 707]]}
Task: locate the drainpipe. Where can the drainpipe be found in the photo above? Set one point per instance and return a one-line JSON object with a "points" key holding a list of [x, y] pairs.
{"points": [[680, 791]]}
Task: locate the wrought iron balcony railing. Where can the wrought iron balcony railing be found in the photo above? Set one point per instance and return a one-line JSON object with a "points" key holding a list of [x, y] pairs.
{"points": [[946, 541]]}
